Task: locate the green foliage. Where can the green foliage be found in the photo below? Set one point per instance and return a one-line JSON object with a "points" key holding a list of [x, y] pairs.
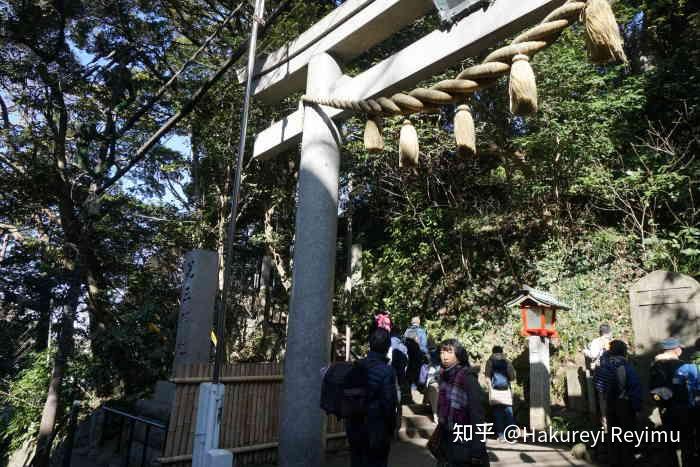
{"points": [[23, 399], [581, 199]]}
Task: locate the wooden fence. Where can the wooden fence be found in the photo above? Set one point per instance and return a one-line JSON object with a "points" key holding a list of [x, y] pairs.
{"points": [[250, 420]]}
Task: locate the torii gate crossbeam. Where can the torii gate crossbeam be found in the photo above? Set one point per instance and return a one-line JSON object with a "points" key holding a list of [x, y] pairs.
{"points": [[420, 60]]}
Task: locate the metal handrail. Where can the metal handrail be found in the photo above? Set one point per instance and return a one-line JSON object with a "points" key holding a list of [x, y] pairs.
{"points": [[133, 419], [147, 421]]}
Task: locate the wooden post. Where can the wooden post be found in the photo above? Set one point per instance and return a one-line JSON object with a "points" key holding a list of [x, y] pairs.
{"points": [[539, 382]]}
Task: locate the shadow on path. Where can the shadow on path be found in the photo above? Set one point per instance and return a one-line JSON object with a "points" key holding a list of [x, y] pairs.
{"points": [[415, 454], [411, 451]]}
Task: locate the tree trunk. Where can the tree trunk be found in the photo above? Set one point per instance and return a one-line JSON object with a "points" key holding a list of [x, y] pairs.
{"points": [[63, 353], [220, 251], [42, 328], [221, 236], [3, 248], [277, 259]]}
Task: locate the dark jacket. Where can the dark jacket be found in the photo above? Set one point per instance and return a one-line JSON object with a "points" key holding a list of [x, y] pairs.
{"points": [[379, 425], [399, 362], [415, 360], [462, 406], [622, 381]]}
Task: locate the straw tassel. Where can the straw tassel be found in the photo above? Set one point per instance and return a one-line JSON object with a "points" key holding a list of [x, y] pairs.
{"points": [[464, 131], [374, 142], [522, 87], [408, 145], [603, 39]]}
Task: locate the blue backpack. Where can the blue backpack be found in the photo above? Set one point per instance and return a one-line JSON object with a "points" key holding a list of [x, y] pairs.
{"points": [[423, 375], [499, 377], [695, 391]]}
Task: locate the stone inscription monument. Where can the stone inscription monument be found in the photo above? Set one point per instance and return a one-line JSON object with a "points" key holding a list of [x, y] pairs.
{"points": [[664, 304], [197, 300]]}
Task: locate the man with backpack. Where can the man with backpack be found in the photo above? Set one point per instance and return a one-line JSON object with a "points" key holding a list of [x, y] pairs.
{"points": [[690, 374], [500, 374], [398, 359], [595, 353], [364, 394], [623, 394], [669, 392], [418, 334], [416, 340]]}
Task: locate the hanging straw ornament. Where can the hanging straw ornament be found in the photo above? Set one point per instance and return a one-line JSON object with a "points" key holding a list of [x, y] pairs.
{"points": [[408, 145], [374, 142], [464, 131], [603, 39], [522, 88]]}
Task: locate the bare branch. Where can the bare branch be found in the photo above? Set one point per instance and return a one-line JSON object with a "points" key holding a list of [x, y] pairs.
{"points": [[277, 259], [162, 219], [13, 230], [12, 165]]}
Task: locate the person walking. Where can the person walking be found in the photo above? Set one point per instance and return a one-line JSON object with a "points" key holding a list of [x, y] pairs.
{"points": [[690, 372], [418, 334], [432, 382], [595, 353], [459, 410], [398, 359], [623, 395], [500, 374], [370, 434], [416, 340], [669, 392]]}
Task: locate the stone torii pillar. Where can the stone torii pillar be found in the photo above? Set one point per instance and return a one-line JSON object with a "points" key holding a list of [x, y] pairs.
{"points": [[302, 423]]}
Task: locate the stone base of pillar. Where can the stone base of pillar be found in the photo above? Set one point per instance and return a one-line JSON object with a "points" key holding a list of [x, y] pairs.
{"points": [[539, 382]]}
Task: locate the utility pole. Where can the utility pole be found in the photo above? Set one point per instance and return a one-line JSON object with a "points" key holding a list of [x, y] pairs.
{"points": [[205, 451]]}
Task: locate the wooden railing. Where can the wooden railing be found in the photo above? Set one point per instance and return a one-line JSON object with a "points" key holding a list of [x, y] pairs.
{"points": [[250, 420]]}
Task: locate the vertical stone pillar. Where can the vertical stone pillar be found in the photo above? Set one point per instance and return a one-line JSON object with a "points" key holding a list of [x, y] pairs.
{"points": [[197, 299], [539, 382], [302, 423]]}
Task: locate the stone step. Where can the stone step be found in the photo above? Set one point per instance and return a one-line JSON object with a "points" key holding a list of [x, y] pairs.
{"points": [[416, 409], [416, 423]]}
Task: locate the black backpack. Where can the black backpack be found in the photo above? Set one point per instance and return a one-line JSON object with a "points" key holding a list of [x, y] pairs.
{"points": [[666, 387], [399, 361], [345, 390]]}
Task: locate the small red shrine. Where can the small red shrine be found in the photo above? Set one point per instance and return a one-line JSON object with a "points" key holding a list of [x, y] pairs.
{"points": [[538, 312]]}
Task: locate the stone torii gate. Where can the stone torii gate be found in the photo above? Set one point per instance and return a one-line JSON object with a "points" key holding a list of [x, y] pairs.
{"points": [[311, 62]]}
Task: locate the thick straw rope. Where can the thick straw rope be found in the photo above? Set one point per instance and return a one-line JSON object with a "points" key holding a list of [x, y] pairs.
{"points": [[471, 79]]}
